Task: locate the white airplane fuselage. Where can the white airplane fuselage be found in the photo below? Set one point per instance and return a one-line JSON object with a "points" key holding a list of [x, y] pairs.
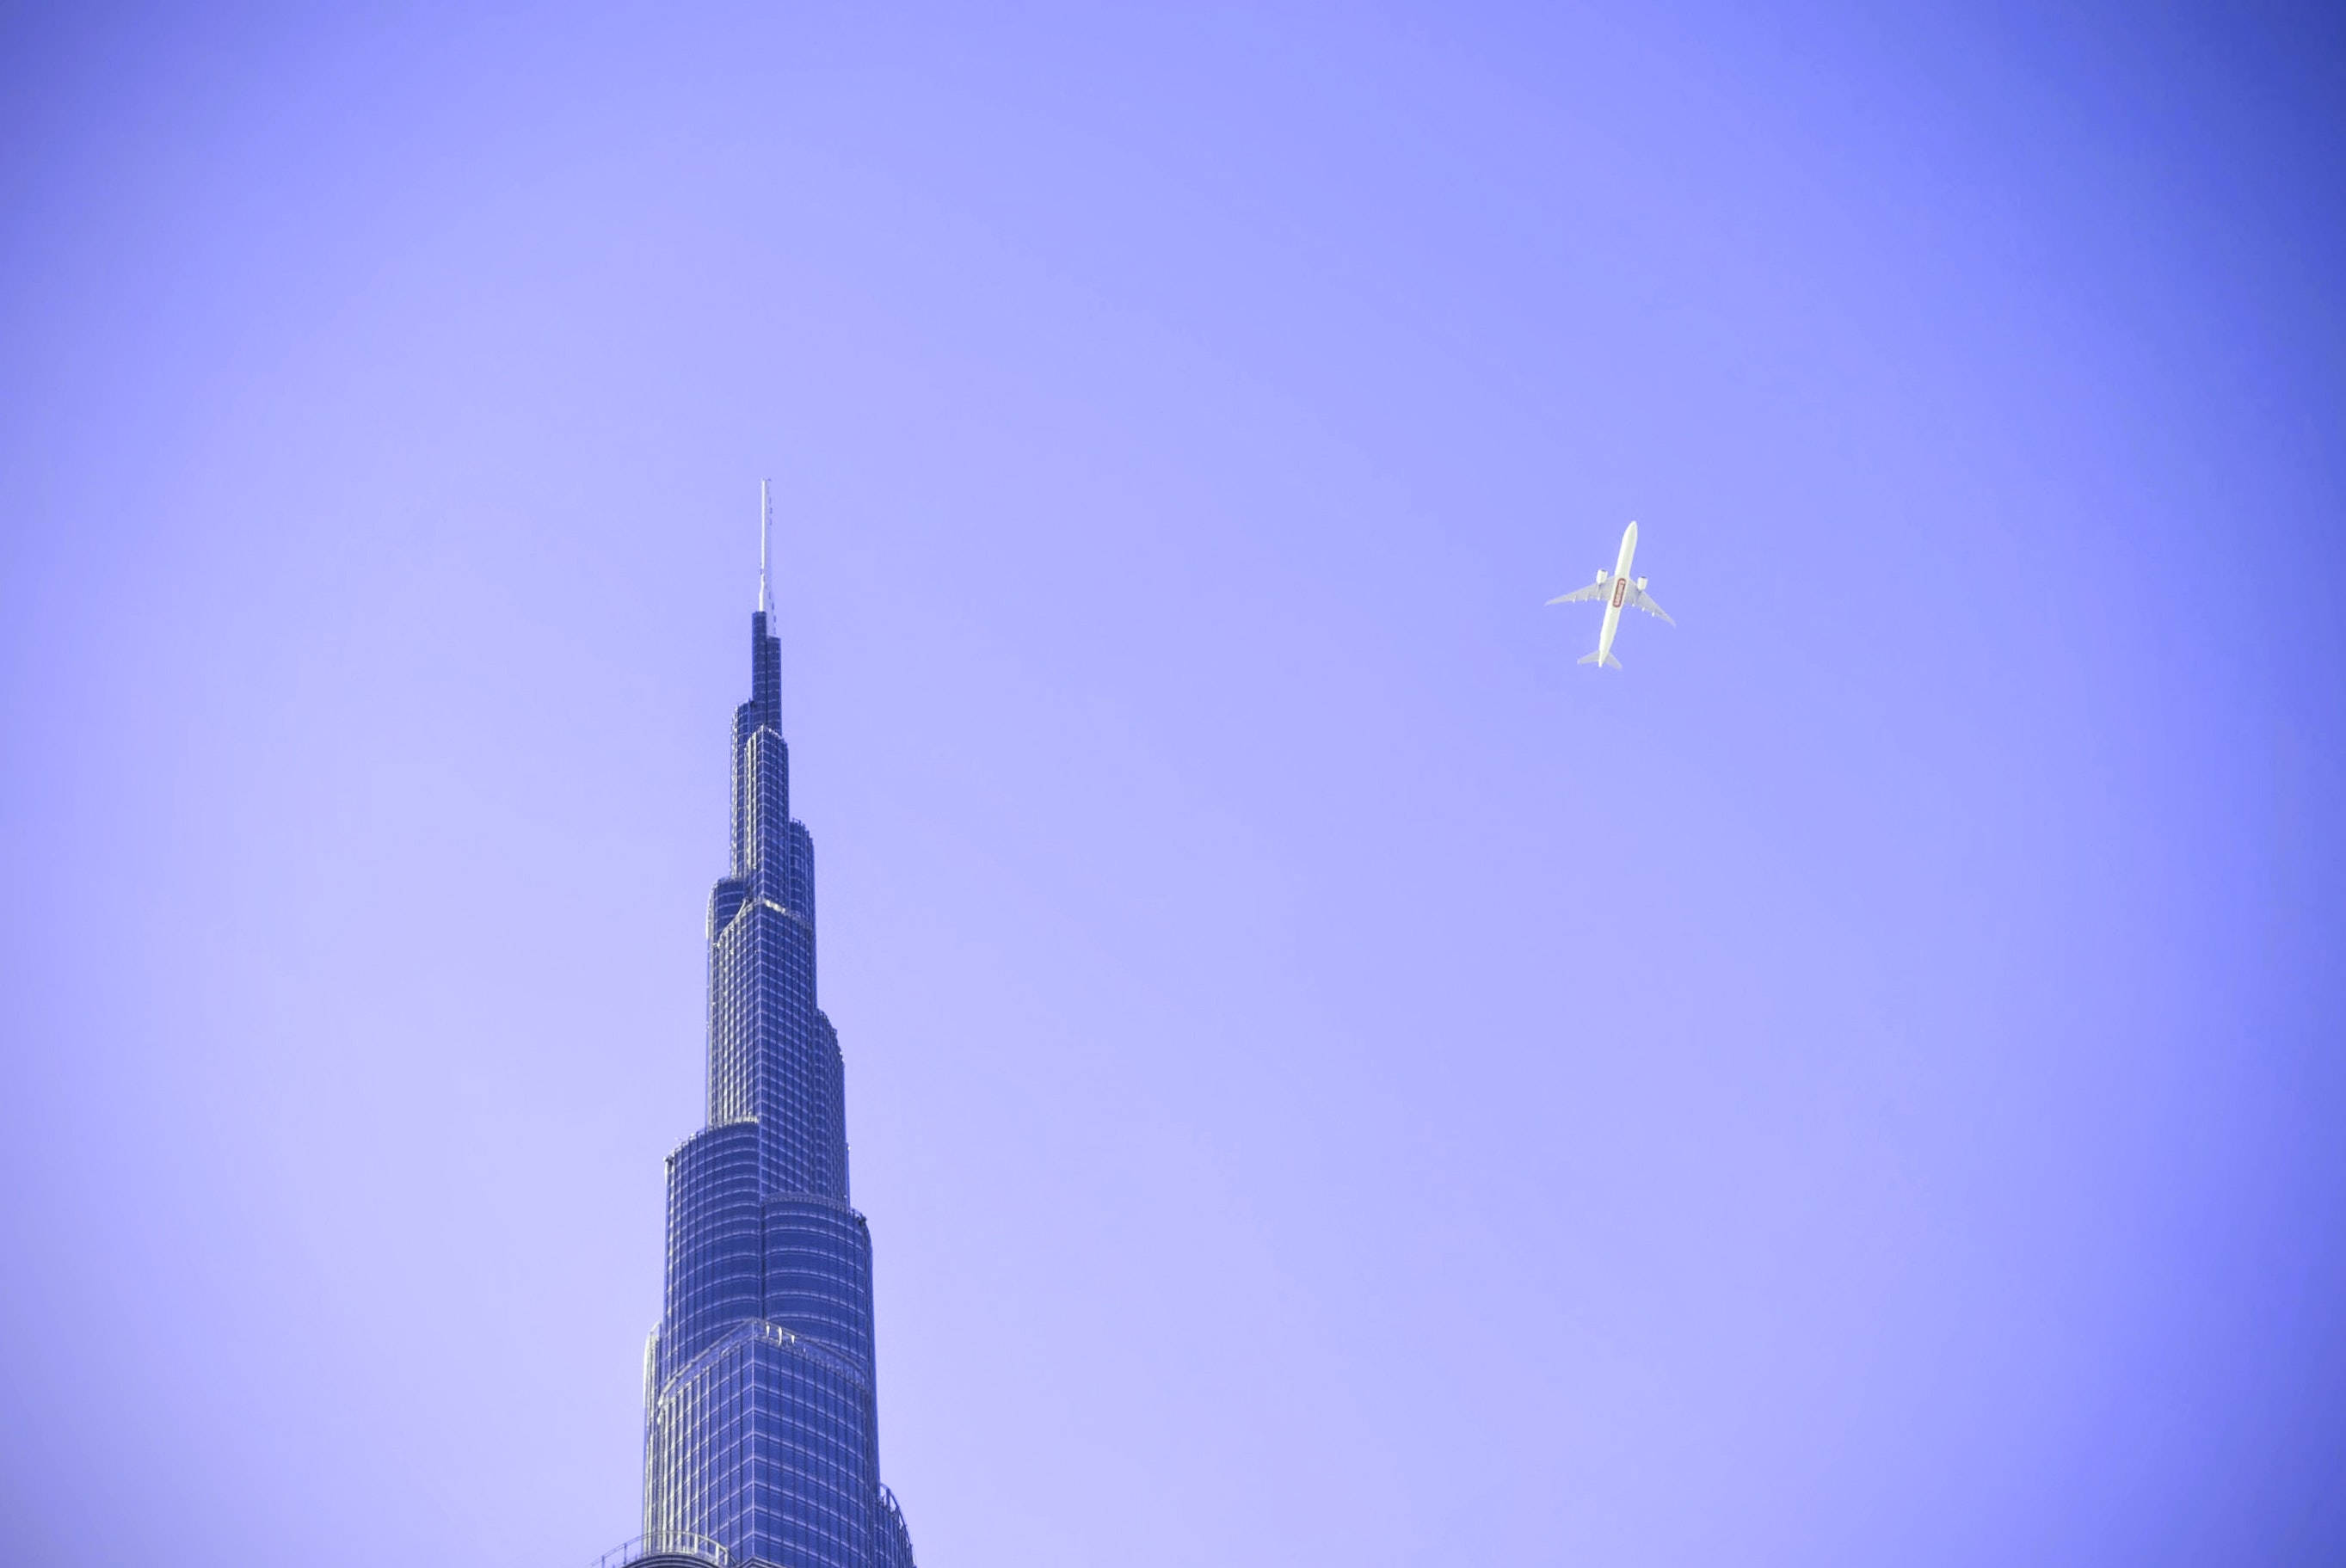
{"points": [[1617, 594]]}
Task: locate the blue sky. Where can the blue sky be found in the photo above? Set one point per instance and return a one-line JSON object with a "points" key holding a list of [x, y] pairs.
{"points": [[1330, 1079]]}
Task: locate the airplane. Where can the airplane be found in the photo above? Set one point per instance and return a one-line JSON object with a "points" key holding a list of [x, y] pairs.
{"points": [[1617, 588]]}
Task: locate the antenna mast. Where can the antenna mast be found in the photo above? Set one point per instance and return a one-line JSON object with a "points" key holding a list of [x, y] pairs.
{"points": [[765, 532]]}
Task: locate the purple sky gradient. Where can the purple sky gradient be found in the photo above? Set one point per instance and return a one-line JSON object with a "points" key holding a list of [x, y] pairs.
{"points": [[1332, 1082]]}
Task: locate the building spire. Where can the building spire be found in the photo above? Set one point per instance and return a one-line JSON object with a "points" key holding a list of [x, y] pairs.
{"points": [[765, 534], [765, 648]]}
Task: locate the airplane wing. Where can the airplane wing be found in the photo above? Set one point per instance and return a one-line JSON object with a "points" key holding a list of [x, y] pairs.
{"points": [[1595, 590], [1644, 602]]}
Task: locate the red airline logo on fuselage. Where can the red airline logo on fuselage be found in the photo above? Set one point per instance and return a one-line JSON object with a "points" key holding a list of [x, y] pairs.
{"points": [[1620, 591]]}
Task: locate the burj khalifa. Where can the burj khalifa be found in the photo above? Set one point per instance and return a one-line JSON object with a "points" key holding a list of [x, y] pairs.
{"points": [[762, 1445]]}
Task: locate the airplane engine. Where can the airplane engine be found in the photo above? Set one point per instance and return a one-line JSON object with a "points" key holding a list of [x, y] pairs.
{"points": [[1641, 584]]}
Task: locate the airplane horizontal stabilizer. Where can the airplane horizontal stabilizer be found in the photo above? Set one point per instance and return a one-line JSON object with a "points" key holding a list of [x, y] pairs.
{"points": [[1600, 659]]}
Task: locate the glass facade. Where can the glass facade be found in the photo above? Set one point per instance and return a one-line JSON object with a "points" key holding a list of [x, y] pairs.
{"points": [[761, 1439]]}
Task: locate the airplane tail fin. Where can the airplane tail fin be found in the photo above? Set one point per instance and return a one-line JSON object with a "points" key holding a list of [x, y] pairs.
{"points": [[1600, 657]]}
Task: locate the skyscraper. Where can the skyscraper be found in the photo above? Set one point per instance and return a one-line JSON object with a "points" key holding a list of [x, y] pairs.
{"points": [[760, 1439]]}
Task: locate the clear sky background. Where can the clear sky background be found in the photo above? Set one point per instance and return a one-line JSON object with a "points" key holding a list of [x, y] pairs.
{"points": [[1333, 1081]]}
